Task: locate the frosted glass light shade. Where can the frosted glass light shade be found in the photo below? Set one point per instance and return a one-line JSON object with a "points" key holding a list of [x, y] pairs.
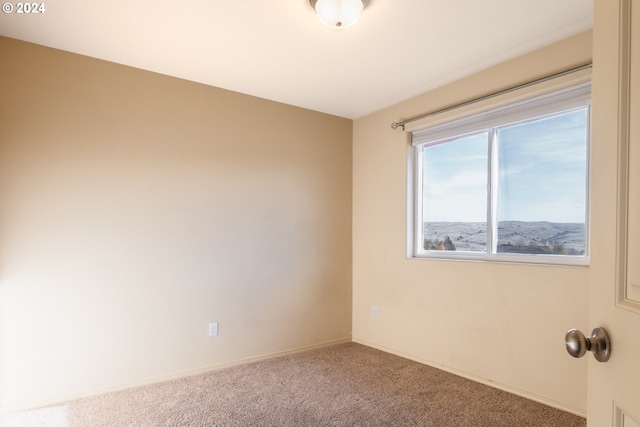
{"points": [[338, 14]]}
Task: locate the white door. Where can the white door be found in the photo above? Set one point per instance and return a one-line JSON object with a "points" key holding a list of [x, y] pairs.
{"points": [[614, 386]]}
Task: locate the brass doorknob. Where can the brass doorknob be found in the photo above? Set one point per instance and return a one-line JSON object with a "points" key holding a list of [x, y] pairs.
{"points": [[578, 345]]}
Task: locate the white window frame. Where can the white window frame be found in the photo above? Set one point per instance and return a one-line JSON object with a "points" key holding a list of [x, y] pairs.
{"points": [[500, 112]]}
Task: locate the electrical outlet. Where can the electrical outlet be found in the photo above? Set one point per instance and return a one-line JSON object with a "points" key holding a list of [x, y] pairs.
{"points": [[375, 313], [213, 329]]}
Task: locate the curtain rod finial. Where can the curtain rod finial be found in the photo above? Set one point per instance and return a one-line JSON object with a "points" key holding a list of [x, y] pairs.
{"points": [[396, 125]]}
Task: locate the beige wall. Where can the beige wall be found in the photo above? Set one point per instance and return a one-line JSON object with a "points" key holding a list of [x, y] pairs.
{"points": [[136, 208], [501, 324]]}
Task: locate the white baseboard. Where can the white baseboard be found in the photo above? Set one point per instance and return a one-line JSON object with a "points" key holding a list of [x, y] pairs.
{"points": [[522, 393], [257, 358], [172, 376]]}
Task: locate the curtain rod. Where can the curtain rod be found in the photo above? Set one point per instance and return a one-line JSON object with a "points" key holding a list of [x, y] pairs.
{"points": [[396, 125]]}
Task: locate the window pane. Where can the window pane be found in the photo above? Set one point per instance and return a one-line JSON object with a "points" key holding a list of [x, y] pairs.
{"points": [[542, 185], [454, 189]]}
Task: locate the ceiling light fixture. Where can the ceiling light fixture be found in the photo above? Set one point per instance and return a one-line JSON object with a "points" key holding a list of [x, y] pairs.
{"points": [[338, 14]]}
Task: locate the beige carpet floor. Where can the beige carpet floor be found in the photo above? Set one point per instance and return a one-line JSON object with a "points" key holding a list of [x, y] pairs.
{"points": [[343, 385]]}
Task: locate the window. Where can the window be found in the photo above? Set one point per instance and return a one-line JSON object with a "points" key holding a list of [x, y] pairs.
{"points": [[508, 184]]}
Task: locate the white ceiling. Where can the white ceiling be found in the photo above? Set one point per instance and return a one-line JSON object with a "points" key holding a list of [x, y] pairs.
{"points": [[279, 50]]}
